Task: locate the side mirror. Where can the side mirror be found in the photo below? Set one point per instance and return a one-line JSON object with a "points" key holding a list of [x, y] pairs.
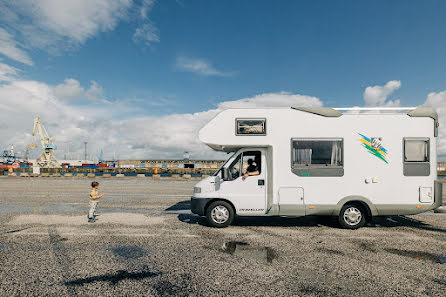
{"points": [[225, 174]]}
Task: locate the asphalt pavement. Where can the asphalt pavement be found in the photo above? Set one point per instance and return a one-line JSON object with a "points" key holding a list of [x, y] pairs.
{"points": [[146, 242]]}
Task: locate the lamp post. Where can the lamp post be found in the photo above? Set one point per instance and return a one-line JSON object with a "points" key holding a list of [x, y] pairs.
{"points": [[85, 153]]}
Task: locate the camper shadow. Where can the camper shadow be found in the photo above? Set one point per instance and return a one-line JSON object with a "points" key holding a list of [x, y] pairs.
{"points": [[315, 221], [193, 219], [181, 205], [403, 221], [309, 221]]}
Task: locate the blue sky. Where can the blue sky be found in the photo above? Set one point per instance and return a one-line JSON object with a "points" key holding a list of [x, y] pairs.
{"points": [[329, 49], [191, 56]]}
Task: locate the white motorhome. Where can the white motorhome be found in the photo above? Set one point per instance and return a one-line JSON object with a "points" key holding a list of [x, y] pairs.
{"points": [[299, 161]]}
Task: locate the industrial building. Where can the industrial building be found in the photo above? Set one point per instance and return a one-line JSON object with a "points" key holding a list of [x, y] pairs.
{"points": [[170, 164]]}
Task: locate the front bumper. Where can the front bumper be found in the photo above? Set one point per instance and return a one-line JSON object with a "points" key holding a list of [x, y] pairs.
{"points": [[197, 205]]}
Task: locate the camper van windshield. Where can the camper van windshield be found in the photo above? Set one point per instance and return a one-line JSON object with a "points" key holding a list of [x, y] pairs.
{"points": [[227, 160]]}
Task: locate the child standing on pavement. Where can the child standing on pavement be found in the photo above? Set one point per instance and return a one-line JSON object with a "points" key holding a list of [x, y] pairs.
{"points": [[94, 200]]}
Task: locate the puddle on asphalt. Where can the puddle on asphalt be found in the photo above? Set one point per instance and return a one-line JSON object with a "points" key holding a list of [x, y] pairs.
{"points": [[247, 251], [128, 251], [425, 256]]}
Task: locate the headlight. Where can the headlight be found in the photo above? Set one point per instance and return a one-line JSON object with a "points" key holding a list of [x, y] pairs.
{"points": [[197, 190]]}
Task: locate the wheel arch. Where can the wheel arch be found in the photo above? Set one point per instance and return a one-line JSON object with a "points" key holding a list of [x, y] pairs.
{"points": [[361, 200], [219, 199]]}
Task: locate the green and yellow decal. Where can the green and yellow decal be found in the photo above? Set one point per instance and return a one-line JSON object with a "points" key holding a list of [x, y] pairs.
{"points": [[374, 147]]}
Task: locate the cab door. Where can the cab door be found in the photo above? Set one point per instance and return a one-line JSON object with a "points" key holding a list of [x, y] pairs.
{"points": [[248, 194]]}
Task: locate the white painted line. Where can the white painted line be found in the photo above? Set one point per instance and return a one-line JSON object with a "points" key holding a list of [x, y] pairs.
{"points": [[104, 235], [130, 195]]}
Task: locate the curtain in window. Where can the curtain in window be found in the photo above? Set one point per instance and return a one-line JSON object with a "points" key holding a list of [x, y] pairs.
{"points": [[303, 156], [336, 153]]}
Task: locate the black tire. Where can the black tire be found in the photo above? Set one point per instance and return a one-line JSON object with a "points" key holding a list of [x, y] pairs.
{"points": [[352, 216], [220, 214]]}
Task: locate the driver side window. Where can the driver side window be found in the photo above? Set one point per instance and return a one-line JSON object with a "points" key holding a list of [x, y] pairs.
{"points": [[249, 161]]}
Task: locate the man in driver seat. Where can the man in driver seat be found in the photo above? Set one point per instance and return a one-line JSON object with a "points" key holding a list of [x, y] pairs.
{"points": [[252, 169]]}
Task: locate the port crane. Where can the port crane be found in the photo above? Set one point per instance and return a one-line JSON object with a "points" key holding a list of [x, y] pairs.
{"points": [[47, 159]]}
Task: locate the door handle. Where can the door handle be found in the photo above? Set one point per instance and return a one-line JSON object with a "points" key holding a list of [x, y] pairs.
{"points": [[261, 182]]}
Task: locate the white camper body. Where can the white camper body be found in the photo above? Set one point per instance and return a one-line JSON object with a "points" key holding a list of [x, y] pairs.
{"points": [[318, 161]]}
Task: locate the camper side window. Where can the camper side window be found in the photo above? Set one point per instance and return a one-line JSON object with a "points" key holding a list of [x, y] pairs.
{"points": [[416, 157], [317, 157], [416, 150], [250, 126]]}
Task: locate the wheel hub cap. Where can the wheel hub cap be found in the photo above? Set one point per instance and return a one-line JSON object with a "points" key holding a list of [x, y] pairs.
{"points": [[352, 216], [220, 214]]}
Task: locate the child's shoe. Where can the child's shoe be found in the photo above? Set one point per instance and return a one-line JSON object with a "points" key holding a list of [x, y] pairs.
{"points": [[91, 220]]}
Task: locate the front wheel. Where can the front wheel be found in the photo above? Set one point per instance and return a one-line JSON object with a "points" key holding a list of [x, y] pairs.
{"points": [[352, 216], [220, 214]]}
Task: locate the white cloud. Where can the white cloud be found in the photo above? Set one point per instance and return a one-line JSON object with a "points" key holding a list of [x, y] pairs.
{"points": [[377, 95], [95, 91], [79, 20], [112, 127], [9, 48], [199, 66], [146, 34], [273, 99], [51, 21], [7, 73], [436, 100], [71, 89], [146, 7], [55, 25], [70, 124]]}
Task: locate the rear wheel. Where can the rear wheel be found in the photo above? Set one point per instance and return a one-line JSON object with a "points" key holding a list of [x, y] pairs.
{"points": [[352, 216], [220, 214]]}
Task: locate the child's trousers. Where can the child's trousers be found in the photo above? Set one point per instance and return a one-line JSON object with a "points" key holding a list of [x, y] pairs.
{"points": [[93, 206]]}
